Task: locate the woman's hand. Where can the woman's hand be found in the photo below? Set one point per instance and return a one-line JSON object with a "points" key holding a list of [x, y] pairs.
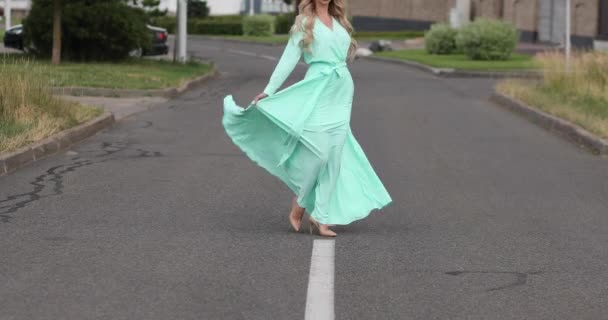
{"points": [[259, 97]]}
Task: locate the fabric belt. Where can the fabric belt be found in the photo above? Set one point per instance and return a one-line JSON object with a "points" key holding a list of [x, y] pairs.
{"points": [[331, 67], [328, 68]]}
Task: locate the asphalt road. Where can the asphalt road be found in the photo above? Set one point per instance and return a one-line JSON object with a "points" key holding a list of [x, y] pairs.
{"points": [[161, 217]]}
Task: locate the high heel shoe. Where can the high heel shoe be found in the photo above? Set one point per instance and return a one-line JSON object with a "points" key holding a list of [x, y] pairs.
{"points": [[323, 230], [296, 219]]}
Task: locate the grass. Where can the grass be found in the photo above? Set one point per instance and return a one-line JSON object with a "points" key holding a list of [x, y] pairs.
{"points": [[460, 61], [130, 74], [275, 39], [28, 110], [360, 36], [388, 35], [579, 96]]}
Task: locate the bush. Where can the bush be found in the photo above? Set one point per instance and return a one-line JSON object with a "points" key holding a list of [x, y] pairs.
{"points": [[441, 39], [167, 22], [215, 28], [284, 22], [259, 26], [220, 25], [232, 18], [91, 30], [487, 39], [197, 9]]}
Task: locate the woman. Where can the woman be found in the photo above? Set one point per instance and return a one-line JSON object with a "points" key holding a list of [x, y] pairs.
{"points": [[302, 134]]}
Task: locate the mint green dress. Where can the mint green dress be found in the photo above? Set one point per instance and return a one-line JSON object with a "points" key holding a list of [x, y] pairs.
{"points": [[302, 134]]}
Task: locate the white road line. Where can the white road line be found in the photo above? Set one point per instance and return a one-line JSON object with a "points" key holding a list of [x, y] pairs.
{"points": [[268, 57], [320, 296], [253, 54], [245, 53]]}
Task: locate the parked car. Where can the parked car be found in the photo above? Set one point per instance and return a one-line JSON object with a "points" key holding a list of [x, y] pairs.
{"points": [[13, 38]]}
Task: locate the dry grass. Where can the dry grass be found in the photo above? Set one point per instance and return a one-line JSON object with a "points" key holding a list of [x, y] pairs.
{"points": [[28, 110], [579, 96]]}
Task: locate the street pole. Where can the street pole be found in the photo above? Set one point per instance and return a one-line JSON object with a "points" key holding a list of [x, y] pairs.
{"points": [[7, 14], [251, 3], [568, 33], [182, 32]]}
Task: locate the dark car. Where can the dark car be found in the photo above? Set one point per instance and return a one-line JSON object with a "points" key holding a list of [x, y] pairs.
{"points": [[159, 42], [13, 38]]}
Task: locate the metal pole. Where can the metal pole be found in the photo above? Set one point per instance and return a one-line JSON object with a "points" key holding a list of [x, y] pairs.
{"points": [[251, 3], [568, 33], [182, 18], [7, 14]]}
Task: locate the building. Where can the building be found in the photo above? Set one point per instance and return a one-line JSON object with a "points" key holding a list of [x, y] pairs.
{"points": [[216, 7], [266, 6], [538, 20], [19, 8]]}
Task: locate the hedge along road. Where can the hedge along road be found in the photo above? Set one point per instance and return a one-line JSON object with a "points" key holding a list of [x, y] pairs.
{"points": [[161, 217]]}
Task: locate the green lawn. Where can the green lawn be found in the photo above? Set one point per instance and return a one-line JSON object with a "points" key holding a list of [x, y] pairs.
{"points": [[360, 36], [388, 35], [276, 39], [460, 61], [131, 74]]}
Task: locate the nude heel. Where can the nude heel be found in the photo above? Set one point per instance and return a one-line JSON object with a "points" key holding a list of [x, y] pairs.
{"points": [[324, 233]]}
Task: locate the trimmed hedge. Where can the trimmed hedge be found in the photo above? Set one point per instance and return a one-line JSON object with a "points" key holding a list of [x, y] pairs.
{"points": [[487, 39], [441, 39], [259, 26], [167, 22], [220, 25], [283, 23], [214, 28]]}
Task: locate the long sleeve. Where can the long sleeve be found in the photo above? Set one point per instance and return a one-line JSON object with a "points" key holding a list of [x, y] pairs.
{"points": [[289, 59]]}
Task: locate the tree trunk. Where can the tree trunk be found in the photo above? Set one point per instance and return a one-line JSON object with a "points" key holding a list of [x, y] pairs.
{"points": [[56, 32]]}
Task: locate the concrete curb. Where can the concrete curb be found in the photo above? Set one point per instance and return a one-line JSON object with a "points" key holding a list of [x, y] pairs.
{"points": [[131, 93], [457, 73], [60, 141], [567, 129]]}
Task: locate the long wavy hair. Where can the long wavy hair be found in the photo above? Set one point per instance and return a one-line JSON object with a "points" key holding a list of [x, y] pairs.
{"points": [[308, 11]]}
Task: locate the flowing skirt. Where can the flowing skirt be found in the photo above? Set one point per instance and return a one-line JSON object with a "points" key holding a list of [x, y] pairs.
{"points": [[302, 136]]}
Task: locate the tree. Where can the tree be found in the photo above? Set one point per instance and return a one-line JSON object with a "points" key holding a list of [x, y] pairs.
{"points": [[88, 29], [197, 9], [56, 58]]}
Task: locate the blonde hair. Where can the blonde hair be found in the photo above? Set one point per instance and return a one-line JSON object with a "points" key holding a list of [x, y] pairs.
{"points": [[305, 22]]}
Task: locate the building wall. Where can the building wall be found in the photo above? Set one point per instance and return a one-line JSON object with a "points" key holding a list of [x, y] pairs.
{"points": [[223, 7], [585, 17], [486, 8], [521, 13], [537, 19], [422, 10]]}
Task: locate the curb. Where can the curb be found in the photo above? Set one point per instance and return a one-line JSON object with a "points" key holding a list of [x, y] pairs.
{"points": [[132, 93], [552, 123], [60, 141], [457, 73]]}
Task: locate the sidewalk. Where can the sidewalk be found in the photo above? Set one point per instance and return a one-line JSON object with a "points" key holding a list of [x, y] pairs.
{"points": [[120, 107]]}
